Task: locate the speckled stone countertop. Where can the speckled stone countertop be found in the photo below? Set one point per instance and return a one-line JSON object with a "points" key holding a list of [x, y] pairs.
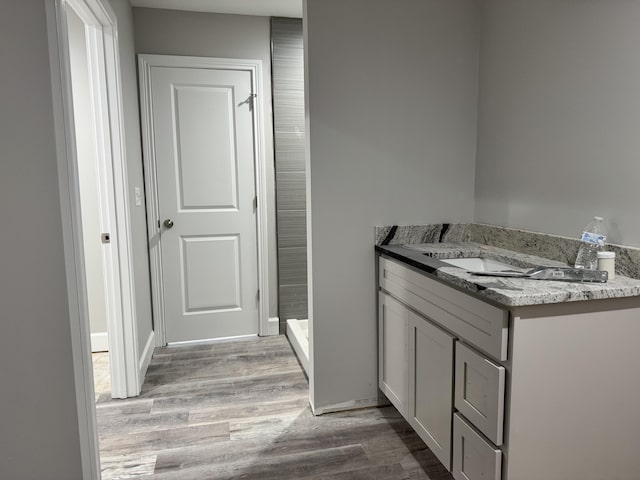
{"points": [[509, 292]]}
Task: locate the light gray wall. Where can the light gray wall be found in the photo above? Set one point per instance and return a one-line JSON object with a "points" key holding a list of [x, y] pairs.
{"points": [[290, 164], [87, 173], [558, 116], [172, 32], [39, 436], [133, 148], [392, 96]]}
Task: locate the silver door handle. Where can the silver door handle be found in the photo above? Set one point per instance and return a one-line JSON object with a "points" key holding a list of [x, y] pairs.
{"points": [[168, 223]]}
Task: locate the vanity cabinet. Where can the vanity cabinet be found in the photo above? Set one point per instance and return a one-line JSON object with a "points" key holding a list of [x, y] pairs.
{"points": [[420, 322], [512, 393]]}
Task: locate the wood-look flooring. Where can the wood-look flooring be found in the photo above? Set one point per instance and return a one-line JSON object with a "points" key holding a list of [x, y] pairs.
{"points": [[239, 410]]}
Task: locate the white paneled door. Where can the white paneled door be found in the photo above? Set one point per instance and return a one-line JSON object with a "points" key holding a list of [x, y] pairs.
{"points": [[205, 160]]}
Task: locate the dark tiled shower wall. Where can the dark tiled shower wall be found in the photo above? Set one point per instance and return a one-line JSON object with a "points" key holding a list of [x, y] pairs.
{"points": [[288, 119]]}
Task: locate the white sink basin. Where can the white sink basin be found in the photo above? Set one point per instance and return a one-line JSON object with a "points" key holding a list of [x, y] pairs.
{"points": [[479, 264]]}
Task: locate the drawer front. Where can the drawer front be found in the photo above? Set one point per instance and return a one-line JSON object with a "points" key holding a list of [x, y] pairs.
{"points": [[473, 457], [479, 323], [479, 392]]}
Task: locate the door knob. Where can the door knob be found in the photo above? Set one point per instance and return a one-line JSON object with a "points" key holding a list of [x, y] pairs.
{"points": [[168, 223]]}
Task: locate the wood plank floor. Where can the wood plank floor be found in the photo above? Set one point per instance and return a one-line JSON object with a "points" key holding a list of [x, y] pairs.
{"points": [[239, 410]]}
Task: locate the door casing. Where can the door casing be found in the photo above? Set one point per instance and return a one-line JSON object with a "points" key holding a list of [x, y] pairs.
{"points": [[146, 62], [127, 368]]}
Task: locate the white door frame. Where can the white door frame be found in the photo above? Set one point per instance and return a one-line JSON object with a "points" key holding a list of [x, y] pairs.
{"points": [[102, 45], [145, 63]]}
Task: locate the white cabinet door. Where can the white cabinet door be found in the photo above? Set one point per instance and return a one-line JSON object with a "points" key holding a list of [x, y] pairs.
{"points": [[393, 356], [431, 385]]}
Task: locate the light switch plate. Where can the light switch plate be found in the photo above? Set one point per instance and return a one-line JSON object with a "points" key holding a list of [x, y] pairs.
{"points": [[138, 195]]}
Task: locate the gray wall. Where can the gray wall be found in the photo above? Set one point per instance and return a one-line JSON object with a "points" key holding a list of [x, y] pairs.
{"points": [[289, 125], [134, 170], [39, 436], [172, 32], [88, 174], [558, 117], [392, 96]]}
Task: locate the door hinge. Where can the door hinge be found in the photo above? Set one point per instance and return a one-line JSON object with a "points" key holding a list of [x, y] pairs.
{"points": [[258, 295], [255, 203]]}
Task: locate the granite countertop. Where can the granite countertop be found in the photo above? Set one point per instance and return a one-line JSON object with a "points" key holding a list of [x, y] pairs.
{"points": [[509, 292]]}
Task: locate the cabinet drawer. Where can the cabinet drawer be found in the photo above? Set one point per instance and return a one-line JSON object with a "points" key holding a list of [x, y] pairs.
{"points": [[478, 322], [473, 457], [479, 392]]}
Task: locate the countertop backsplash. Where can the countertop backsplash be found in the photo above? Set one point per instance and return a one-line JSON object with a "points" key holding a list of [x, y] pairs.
{"points": [[553, 247]]}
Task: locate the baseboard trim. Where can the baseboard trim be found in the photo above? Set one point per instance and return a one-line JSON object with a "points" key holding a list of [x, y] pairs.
{"points": [[205, 341], [299, 342], [272, 327], [99, 342], [351, 405], [145, 358]]}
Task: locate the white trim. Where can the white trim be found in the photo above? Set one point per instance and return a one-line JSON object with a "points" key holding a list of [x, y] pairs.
{"points": [[211, 340], [145, 63], [307, 161], [102, 39], [153, 215], [273, 327], [110, 257], [102, 44], [299, 341], [145, 358], [351, 405], [72, 241], [125, 330], [99, 342]]}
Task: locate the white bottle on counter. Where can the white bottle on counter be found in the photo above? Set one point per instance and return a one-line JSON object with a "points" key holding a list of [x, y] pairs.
{"points": [[607, 262], [593, 238]]}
